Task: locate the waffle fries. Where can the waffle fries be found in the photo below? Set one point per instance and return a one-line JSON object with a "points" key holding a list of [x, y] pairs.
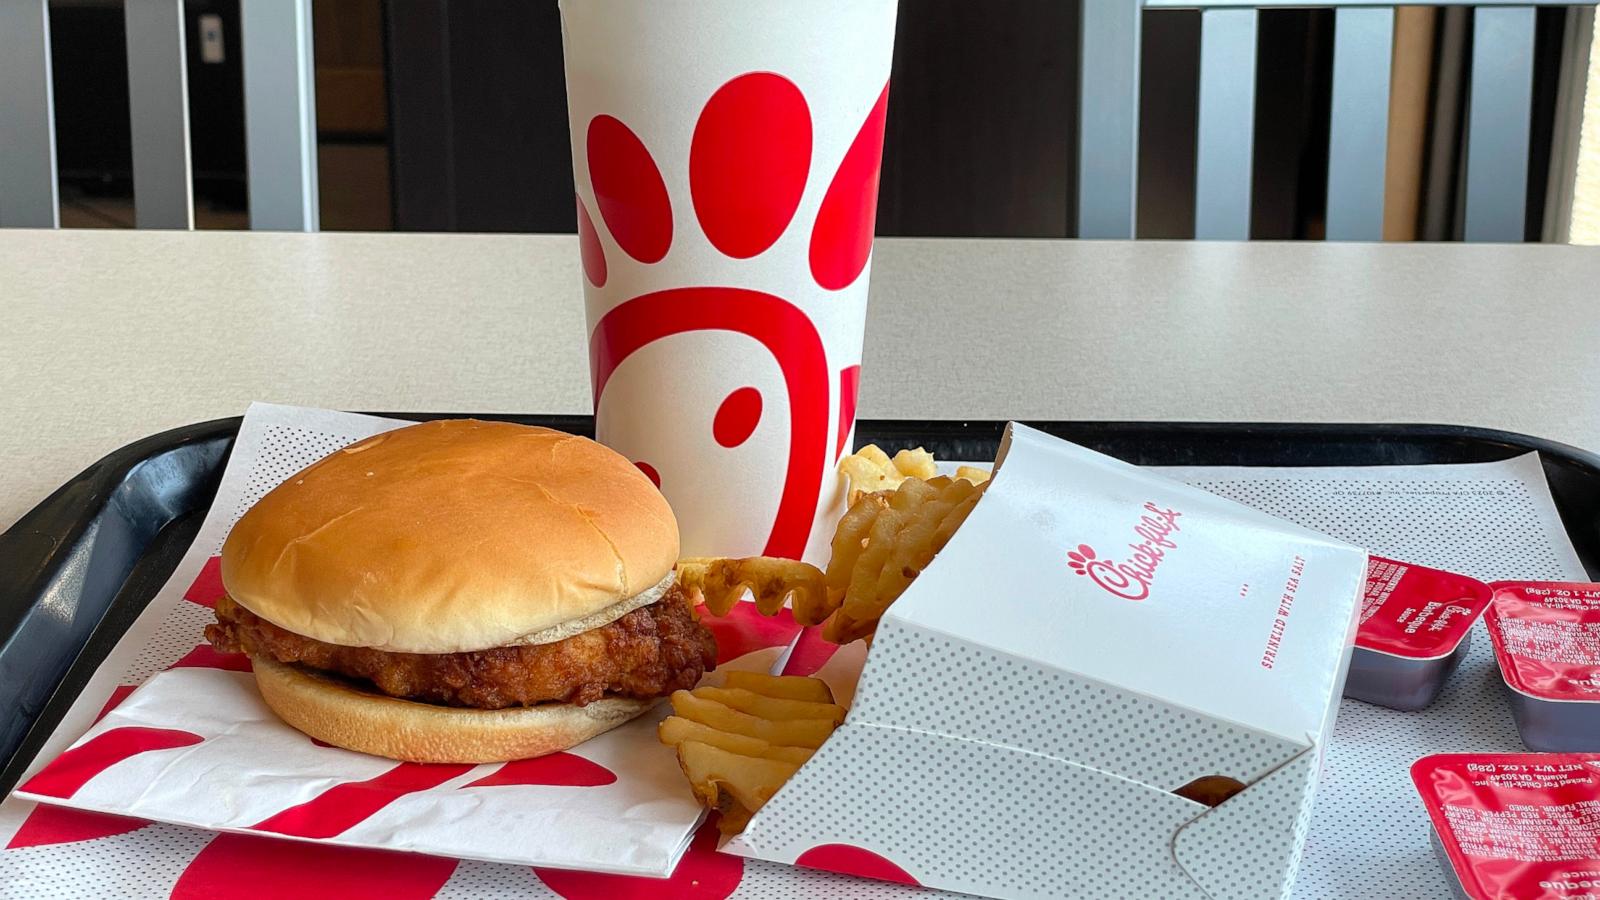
{"points": [[871, 470], [883, 543], [740, 743], [722, 582]]}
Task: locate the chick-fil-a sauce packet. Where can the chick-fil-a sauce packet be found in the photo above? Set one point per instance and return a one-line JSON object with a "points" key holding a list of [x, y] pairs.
{"points": [[1416, 626], [1546, 638], [1515, 826]]}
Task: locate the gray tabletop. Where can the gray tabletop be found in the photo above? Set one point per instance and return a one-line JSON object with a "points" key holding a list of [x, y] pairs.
{"points": [[110, 336]]}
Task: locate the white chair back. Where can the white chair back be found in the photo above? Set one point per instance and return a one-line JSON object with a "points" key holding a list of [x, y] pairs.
{"points": [[279, 101], [1498, 116], [280, 116]]}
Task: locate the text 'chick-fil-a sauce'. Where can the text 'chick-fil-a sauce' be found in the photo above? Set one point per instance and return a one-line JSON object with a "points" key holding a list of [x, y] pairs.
{"points": [[1415, 629]]}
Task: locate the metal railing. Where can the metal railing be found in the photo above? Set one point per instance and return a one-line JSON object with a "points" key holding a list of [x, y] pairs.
{"points": [[279, 106], [280, 116], [1498, 116]]}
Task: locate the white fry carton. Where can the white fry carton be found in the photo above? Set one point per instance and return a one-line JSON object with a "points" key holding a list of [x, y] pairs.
{"points": [[1093, 637]]}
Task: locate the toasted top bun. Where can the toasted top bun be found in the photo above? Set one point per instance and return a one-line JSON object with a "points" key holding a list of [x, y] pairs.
{"points": [[454, 536]]}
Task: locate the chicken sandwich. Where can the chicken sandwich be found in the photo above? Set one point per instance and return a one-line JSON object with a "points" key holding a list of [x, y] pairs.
{"points": [[461, 591]]}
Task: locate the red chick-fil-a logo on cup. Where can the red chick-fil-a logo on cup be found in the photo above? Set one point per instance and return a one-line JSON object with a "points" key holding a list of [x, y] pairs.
{"points": [[1131, 578]]}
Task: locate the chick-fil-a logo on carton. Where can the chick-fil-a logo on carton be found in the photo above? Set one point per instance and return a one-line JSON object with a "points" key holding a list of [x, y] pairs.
{"points": [[1131, 578]]}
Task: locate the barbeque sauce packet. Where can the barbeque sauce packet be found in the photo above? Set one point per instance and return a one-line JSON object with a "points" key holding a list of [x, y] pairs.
{"points": [[1515, 825]]}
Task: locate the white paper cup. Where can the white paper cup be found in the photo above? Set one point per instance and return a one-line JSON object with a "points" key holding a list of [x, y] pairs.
{"points": [[726, 158]]}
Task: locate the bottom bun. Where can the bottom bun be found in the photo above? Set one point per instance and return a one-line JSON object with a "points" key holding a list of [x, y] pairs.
{"points": [[340, 714]]}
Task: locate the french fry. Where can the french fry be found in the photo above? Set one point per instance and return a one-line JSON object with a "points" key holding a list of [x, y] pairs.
{"points": [[775, 708], [792, 687], [739, 744], [675, 730], [861, 598], [850, 538], [901, 514], [916, 463], [870, 469], [972, 474], [750, 781], [789, 733], [883, 543], [723, 582], [733, 816]]}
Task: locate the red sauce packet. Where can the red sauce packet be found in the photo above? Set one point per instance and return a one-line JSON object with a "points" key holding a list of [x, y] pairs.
{"points": [[1516, 825]]}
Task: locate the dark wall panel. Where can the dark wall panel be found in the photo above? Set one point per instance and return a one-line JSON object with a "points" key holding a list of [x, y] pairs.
{"points": [[478, 116], [982, 130], [1294, 80], [513, 160], [1169, 82], [89, 54], [980, 137]]}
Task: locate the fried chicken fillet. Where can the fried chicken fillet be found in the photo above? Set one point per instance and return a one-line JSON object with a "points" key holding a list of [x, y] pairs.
{"points": [[647, 653]]}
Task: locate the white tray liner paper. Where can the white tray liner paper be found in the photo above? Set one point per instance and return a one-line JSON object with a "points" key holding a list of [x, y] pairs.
{"points": [[1369, 834], [1368, 838]]}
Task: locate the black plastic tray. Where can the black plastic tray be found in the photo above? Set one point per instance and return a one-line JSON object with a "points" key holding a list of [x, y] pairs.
{"points": [[78, 568]]}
